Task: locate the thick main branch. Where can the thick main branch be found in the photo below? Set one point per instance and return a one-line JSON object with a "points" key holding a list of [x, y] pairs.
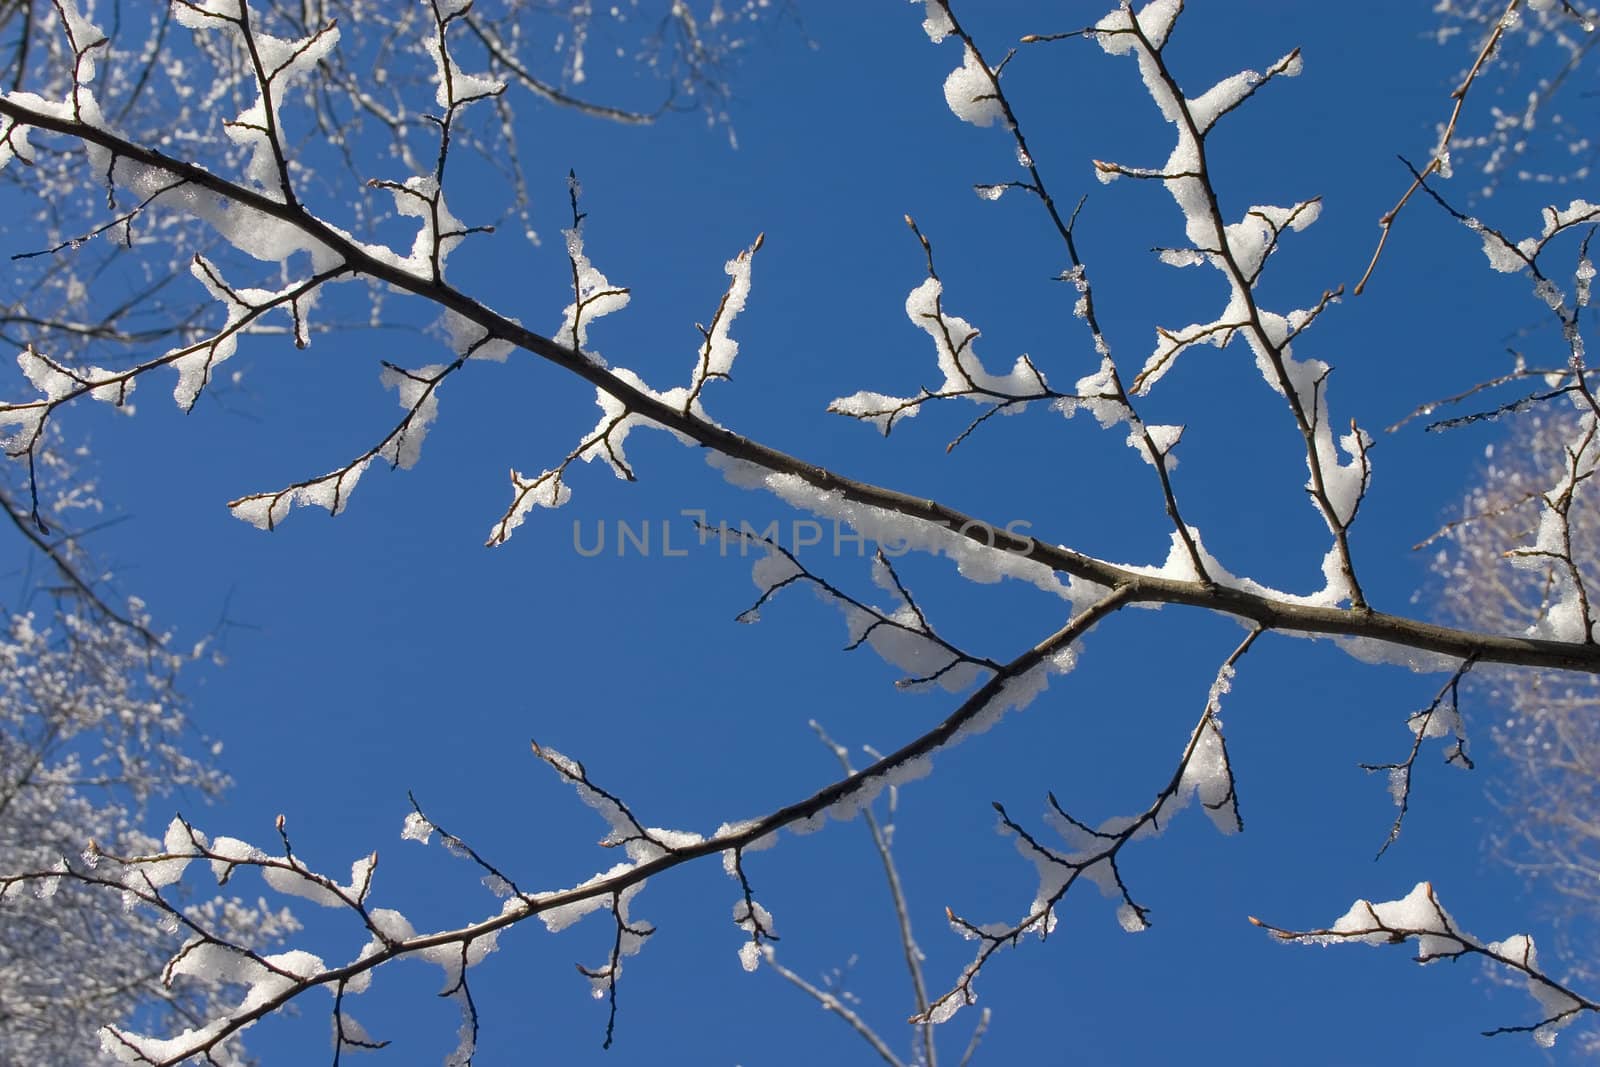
{"points": [[1135, 585]]}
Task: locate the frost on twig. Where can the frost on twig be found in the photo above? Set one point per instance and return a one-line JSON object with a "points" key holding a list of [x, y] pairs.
{"points": [[1439, 162], [1503, 35], [1420, 917]]}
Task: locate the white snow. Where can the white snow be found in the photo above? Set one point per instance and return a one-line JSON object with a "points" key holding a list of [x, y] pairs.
{"points": [[300, 881], [595, 296], [417, 392], [969, 90], [937, 24]]}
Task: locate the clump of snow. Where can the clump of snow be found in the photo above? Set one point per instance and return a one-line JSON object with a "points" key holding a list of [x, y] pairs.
{"points": [[453, 87], [1179, 566], [1577, 211], [265, 511], [937, 24], [718, 352], [1115, 32], [293, 878], [467, 338], [265, 981], [57, 382], [880, 409], [594, 296], [1252, 238], [206, 14], [1206, 108], [417, 828], [561, 916], [418, 393], [609, 439], [1097, 394], [229, 852], [1227, 94], [1163, 438], [1372, 650], [84, 37], [954, 340], [544, 490], [1181, 257], [421, 198], [179, 845], [1503, 256], [1418, 914], [970, 92], [750, 916]]}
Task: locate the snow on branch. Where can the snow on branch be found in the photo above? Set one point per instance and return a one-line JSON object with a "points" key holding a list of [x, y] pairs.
{"points": [[1239, 251], [964, 375], [933, 526], [193, 362], [263, 216], [1439, 719], [1569, 614], [903, 637], [1092, 853], [418, 394], [1101, 393], [593, 297], [1419, 917], [276, 65], [1439, 162], [271, 982]]}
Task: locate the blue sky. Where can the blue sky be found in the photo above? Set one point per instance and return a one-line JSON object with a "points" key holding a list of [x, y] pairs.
{"points": [[388, 651]]}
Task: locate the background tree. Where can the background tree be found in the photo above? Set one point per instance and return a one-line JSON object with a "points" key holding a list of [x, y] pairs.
{"points": [[92, 728], [1544, 726], [676, 56], [260, 210], [1535, 125]]}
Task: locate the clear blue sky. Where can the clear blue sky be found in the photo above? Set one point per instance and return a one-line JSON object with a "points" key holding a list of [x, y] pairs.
{"points": [[388, 650]]}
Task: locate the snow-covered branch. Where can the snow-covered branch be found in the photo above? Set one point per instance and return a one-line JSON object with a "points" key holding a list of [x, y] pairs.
{"points": [[272, 981], [1419, 917], [950, 529]]}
